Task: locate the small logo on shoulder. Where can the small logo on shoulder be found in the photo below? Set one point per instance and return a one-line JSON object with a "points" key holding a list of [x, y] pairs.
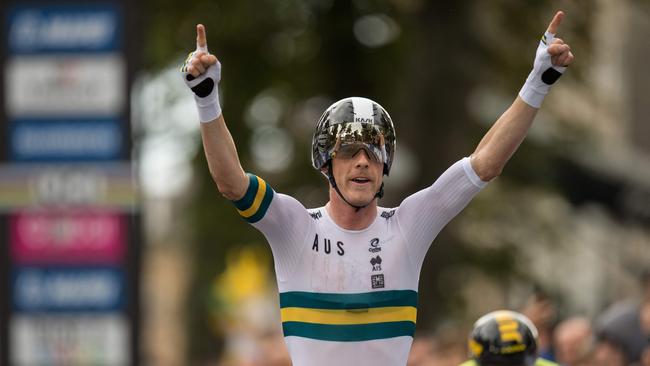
{"points": [[377, 281], [316, 215], [388, 214], [374, 246]]}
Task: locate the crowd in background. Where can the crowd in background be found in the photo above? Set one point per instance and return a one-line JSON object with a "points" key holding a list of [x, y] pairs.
{"points": [[619, 336]]}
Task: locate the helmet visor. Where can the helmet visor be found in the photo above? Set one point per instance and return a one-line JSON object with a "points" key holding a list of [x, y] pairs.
{"points": [[351, 150], [349, 138]]}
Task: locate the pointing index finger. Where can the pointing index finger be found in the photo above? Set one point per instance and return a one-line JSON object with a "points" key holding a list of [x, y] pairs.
{"points": [[201, 41], [555, 23]]}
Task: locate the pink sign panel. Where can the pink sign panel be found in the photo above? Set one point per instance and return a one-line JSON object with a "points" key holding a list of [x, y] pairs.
{"points": [[67, 238]]}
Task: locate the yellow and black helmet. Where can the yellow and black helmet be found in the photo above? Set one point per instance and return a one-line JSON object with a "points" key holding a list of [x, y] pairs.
{"points": [[503, 338]]}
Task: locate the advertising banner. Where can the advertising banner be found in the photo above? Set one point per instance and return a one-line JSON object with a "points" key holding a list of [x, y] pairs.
{"points": [[62, 237], [69, 214], [67, 289], [78, 185], [65, 86], [69, 340], [65, 139], [63, 28]]}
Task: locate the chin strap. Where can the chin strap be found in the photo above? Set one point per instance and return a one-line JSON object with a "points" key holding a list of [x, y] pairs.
{"points": [[332, 181]]}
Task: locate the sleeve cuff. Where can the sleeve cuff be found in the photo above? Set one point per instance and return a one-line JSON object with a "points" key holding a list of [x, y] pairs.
{"points": [[253, 206], [471, 174], [209, 113]]}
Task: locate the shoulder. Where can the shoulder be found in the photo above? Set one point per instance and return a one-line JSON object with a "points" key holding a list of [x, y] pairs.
{"points": [[543, 362], [261, 201], [316, 213], [385, 213]]}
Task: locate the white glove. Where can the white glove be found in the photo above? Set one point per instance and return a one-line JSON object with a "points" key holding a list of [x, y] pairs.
{"points": [[205, 87], [544, 74]]}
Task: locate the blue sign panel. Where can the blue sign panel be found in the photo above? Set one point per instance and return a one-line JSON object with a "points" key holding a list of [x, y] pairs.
{"points": [[68, 289], [65, 140], [63, 28]]}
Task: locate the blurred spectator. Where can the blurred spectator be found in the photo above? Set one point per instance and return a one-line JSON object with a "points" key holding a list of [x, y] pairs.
{"points": [[273, 351], [645, 356], [573, 342], [608, 353], [627, 323], [504, 338], [421, 353], [644, 317], [542, 312], [446, 348], [449, 346]]}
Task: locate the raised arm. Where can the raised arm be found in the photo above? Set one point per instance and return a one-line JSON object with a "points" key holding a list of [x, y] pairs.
{"points": [[202, 73], [507, 133]]}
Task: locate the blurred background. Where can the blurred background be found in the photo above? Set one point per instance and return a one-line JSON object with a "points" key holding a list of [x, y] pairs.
{"points": [[117, 249]]}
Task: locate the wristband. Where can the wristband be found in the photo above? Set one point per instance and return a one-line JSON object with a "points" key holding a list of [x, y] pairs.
{"points": [[544, 74], [205, 88]]}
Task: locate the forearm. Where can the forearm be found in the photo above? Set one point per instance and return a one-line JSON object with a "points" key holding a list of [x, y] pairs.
{"points": [[502, 140], [202, 73], [223, 161]]}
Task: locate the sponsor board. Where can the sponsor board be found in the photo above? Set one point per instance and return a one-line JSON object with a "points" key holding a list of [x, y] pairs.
{"points": [[67, 289], [62, 237], [65, 86], [63, 28], [69, 340], [65, 140], [78, 185]]}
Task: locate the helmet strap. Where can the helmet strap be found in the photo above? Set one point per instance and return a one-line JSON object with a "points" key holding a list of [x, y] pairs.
{"points": [[330, 178]]}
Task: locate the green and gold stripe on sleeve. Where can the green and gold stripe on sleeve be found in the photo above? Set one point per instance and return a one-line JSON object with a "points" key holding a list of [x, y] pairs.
{"points": [[349, 317], [252, 207]]}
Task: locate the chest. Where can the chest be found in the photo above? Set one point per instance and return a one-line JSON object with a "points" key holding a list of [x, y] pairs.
{"points": [[337, 261]]}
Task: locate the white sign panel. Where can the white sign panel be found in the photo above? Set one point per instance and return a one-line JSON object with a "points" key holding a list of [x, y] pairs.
{"points": [[69, 340], [65, 86]]}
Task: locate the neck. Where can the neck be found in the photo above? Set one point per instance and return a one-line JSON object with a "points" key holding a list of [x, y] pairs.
{"points": [[348, 217]]}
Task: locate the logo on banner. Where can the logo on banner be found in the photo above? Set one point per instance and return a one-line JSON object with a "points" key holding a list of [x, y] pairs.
{"points": [[67, 238], [71, 139], [68, 289], [81, 28]]}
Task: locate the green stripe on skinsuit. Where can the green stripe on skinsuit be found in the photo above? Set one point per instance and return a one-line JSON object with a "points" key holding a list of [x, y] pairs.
{"points": [[246, 201], [349, 333], [365, 300]]}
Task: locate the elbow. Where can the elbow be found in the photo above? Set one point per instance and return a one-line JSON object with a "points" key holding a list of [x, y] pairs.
{"points": [[228, 191], [232, 190], [486, 170], [489, 173]]}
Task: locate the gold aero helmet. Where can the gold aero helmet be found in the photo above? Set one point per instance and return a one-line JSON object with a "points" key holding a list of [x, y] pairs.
{"points": [[503, 338], [354, 121]]}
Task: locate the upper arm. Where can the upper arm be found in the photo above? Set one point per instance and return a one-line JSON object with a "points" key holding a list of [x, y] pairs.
{"points": [[422, 215], [283, 220]]}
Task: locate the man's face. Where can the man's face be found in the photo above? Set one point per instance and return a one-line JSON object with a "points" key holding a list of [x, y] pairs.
{"points": [[358, 174]]}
